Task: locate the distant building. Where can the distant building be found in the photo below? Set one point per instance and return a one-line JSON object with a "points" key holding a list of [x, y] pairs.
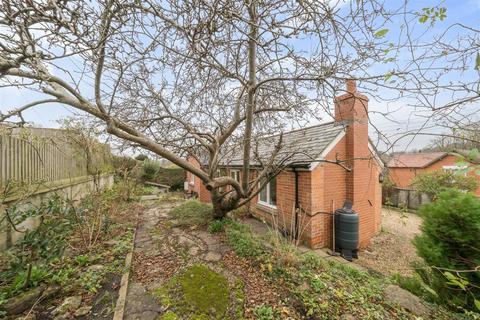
{"points": [[403, 168]]}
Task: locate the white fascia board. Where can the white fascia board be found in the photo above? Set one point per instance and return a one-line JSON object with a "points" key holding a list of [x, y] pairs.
{"points": [[375, 155], [327, 150]]}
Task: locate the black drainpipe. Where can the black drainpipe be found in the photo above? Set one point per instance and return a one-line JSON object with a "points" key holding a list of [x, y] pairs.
{"points": [[297, 203]]}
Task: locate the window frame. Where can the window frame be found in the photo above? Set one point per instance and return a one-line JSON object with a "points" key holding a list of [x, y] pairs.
{"points": [[236, 172], [192, 179], [454, 168], [268, 195]]}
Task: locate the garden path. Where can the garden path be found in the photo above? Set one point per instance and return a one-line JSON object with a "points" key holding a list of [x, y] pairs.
{"points": [[160, 250]]}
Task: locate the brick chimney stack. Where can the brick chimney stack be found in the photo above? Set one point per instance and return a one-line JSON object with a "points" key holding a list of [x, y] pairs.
{"points": [[351, 111], [351, 106], [351, 86]]}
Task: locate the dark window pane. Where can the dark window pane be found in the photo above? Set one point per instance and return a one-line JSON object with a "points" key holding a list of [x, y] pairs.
{"points": [[263, 194]]}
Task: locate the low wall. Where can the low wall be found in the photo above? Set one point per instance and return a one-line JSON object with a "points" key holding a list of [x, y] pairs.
{"points": [[73, 189], [404, 198]]}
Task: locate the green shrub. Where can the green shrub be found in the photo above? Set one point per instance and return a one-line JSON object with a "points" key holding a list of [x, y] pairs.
{"points": [[450, 241], [141, 157], [433, 183], [243, 241], [121, 164], [150, 169], [192, 212], [173, 177]]}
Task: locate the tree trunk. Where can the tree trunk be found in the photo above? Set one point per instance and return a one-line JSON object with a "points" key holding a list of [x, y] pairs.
{"points": [[252, 82], [218, 210], [223, 205]]}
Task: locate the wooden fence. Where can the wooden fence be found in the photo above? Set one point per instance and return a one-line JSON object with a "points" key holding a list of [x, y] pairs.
{"points": [[404, 198], [40, 156], [30, 161]]}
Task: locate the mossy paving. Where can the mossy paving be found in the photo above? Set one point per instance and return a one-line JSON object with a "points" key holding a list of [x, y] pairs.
{"points": [[195, 287], [198, 292]]}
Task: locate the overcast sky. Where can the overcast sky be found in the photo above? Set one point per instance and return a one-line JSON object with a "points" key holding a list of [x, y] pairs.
{"points": [[467, 12]]}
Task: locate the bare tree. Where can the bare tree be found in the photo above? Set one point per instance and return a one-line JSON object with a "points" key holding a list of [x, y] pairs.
{"points": [[203, 78]]}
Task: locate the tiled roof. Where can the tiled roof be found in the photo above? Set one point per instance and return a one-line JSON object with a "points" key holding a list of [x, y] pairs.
{"points": [[415, 160], [301, 146]]}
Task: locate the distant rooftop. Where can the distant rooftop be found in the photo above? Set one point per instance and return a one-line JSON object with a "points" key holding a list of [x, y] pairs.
{"points": [[415, 160]]}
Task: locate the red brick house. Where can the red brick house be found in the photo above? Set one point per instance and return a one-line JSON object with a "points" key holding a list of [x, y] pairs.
{"points": [[315, 185], [403, 168]]}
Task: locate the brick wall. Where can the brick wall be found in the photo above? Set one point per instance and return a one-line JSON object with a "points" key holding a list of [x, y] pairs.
{"points": [[402, 177], [335, 191], [198, 186], [284, 215]]}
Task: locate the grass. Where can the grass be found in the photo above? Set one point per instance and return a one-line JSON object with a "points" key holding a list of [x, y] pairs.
{"points": [[191, 213], [216, 226], [414, 284]]}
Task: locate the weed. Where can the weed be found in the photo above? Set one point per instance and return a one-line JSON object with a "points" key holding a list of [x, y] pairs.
{"points": [[216, 226], [31, 277], [263, 312], [283, 252], [64, 276], [82, 260], [124, 245], [317, 285], [91, 280], [243, 241], [92, 217], [169, 315], [311, 260], [107, 303]]}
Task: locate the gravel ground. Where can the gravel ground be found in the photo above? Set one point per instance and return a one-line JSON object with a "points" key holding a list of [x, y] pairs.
{"points": [[392, 250]]}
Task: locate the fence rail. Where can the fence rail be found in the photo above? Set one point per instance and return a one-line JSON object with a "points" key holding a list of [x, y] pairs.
{"points": [[44, 155], [31, 160]]}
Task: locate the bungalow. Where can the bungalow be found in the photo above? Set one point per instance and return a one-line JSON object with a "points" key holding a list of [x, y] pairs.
{"points": [[404, 167], [333, 162]]}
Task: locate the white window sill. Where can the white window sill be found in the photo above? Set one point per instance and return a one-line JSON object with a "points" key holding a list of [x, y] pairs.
{"points": [[266, 204]]}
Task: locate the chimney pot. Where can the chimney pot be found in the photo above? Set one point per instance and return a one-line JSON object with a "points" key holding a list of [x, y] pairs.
{"points": [[351, 86]]}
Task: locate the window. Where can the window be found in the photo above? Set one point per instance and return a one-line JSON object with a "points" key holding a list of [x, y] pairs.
{"points": [[454, 169], [192, 179], [235, 174], [268, 195]]}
